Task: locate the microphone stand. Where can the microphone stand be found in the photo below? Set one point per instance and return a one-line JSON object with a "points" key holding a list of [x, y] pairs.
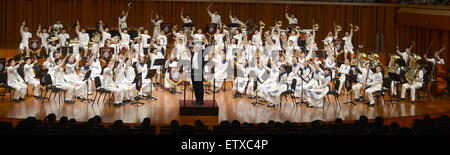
{"points": [[301, 95]]}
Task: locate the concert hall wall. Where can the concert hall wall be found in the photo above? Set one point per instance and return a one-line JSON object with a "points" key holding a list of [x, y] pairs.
{"points": [[380, 24]]}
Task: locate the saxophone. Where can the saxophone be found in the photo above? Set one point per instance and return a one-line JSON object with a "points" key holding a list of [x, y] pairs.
{"points": [[413, 69]]}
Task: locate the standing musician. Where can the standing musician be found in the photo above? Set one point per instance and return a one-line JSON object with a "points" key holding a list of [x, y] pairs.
{"points": [[123, 18], [215, 17], [348, 46], [435, 60], [83, 39], [25, 35]]}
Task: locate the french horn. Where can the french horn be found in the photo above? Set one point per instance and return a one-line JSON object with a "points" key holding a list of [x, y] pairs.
{"points": [[316, 27], [262, 24], [337, 28]]}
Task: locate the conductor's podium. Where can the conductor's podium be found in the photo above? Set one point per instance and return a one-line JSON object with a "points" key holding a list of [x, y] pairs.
{"points": [[209, 108]]}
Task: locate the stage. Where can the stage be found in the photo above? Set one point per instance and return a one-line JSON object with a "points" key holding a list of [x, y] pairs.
{"points": [[167, 108]]}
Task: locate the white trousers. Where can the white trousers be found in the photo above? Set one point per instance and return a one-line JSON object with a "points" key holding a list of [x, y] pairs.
{"points": [[357, 90], [21, 90], [413, 88], [118, 94], [369, 94], [69, 90], [36, 86]]}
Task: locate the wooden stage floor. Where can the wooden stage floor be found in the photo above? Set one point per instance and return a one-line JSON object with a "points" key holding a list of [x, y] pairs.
{"points": [[166, 108]]}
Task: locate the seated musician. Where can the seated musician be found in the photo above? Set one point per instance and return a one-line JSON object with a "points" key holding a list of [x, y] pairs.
{"points": [[361, 80], [71, 77], [15, 80], [30, 76], [317, 93], [122, 81], [375, 84], [413, 85], [59, 81], [220, 69], [240, 82], [343, 70], [279, 86], [109, 84]]}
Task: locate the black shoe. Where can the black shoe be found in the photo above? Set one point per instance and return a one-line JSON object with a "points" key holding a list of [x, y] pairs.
{"points": [[310, 106], [117, 104], [413, 102], [371, 104], [197, 103], [22, 99], [79, 97], [368, 103], [271, 105], [401, 99], [16, 100], [251, 97], [68, 101]]}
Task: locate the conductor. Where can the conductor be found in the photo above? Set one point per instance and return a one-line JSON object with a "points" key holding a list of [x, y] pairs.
{"points": [[197, 72]]}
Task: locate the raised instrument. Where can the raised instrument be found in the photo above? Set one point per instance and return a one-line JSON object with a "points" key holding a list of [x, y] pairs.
{"points": [[316, 27], [413, 69], [393, 66]]}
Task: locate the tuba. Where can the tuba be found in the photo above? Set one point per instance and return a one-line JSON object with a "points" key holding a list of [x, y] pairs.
{"points": [[393, 66], [316, 27], [374, 60], [413, 69]]}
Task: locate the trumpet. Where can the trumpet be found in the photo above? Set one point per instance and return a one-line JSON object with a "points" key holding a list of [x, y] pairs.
{"points": [[316, 27], [337, 28], [261, 24]]}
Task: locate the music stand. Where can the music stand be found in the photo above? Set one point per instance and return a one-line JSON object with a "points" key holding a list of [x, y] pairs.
{"points": [[349, 79], [150, 74], [86, 78], [394, 77], [159, 62], [138, 81]]}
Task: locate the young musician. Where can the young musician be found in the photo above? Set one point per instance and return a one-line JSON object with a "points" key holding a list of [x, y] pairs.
{"points": [[71, 77], [348, 46], [57, 25], [375, 84], [361, 80], [125, 39], [26, 35], [30, 77], [215, 17], [15, 81], [241, 80], [123, 18], [105, 33], [59, 82], [83, 39], [317, 93], [343, 70], [109, 84], [43, 34], [415, 84], [291, 19], [156, 22]]}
